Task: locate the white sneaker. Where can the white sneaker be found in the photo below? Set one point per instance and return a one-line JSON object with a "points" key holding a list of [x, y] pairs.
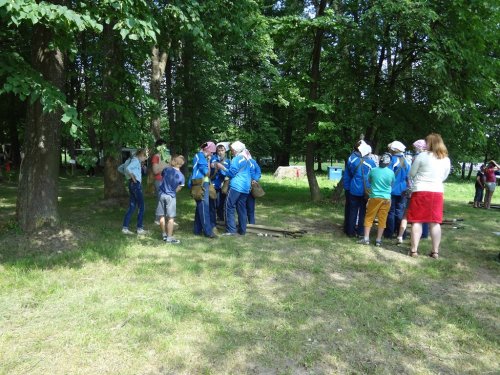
{"points": [[399, 240], [126, 231], [141, 231], [157, 222]]}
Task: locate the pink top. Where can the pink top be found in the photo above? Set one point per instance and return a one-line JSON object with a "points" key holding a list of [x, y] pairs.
{"points": [[490, 174]]}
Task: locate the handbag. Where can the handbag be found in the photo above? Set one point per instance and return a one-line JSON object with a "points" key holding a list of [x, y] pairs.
{"points": [[197, 189], [366, 189], [225, 186], [257, 191], [211, 192]]}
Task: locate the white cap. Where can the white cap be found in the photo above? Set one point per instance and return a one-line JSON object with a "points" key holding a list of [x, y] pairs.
{"points": [[396, 146]]}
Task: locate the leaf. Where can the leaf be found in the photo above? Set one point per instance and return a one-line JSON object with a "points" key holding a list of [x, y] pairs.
{"points": [[124, 33], [66, 118], [133, 37]]}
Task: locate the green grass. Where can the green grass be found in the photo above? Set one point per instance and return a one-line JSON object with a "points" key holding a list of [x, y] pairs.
{"points": [[87, 300]]}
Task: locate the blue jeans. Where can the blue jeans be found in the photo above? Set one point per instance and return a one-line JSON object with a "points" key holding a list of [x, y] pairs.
{"points": [[251, 209], [357, 211], [396, 212], [136, 200], [478, 197], [202, 222], [236, 201]]}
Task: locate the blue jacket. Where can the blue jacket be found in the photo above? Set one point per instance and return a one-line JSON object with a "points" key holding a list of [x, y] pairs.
{"points": [[356, 171], [240, 175], [255, 171], [347, 176], [217, 177], [401, 169], [200, 166]]}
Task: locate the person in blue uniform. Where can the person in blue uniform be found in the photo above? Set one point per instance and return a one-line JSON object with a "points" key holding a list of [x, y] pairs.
{"points": [[239, 188], [201, 170], [255, 174]]}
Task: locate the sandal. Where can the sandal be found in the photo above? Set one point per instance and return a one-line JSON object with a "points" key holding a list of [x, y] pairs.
{"points": [[434, 255], [413, 254]]}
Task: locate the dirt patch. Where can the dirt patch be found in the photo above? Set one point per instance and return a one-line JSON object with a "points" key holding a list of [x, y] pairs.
{"points": [[43, 241]]}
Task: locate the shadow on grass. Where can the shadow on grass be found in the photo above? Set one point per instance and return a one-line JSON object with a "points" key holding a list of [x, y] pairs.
{"points": [[313, 305]]}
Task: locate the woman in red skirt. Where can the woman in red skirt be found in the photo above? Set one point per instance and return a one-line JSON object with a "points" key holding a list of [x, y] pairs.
{"points": [[428, 171]]}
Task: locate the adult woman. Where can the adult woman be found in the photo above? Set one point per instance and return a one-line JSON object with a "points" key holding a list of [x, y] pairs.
{"points": [[239, 188], [200, 176], [428, 171], [491, 182]]}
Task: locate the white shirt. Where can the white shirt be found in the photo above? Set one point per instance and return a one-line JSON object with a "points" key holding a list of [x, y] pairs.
{"points": [[428, 172]]}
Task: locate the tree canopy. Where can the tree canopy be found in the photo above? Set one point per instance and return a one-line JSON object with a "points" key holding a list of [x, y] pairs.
{"points": [[289, 78]]}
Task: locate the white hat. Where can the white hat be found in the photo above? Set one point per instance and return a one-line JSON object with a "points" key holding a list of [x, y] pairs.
{"points": [[396, 146], [238, 146], [364, 149]]}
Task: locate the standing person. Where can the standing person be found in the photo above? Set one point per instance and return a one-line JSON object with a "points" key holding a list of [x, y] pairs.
{"points": [[200, 176], [347, 184], [418, 146], [479, 186], [255, 174], [217, 205], [491, 182], [172, 182], [428, 172], [159, 161], [381, 179], [134, 171], [239, 188], [358, 168], [401, 169]]}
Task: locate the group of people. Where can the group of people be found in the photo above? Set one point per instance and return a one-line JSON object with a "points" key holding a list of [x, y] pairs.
{"points": [[485, 179], [221, 188], [384, 191]]}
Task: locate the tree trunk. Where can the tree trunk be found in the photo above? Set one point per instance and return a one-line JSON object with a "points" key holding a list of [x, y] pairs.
{"points": [[38, 178], [14, 117], [470, 170], [113, 64], [158, 63], [172, 124], [312, 112]]}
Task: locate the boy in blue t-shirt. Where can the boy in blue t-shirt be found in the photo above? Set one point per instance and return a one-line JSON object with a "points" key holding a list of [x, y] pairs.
{"points": [[381, 179], [172, 181]]}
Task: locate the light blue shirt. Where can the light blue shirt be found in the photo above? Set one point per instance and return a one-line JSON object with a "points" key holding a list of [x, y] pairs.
{"points": [[134, 168]]}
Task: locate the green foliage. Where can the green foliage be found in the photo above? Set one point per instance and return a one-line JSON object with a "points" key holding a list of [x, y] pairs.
{"points": [[25, 82]]}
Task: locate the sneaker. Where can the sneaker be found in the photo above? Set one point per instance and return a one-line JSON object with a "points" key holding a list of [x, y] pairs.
{"points": [[157, 222], [126, 231], [399, 240], [363, 242], [141, 231], [378, 243], [228, 234], [172, 240]]}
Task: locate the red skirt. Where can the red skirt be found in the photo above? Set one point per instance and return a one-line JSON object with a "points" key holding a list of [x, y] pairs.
{"points": [[426, 207]]}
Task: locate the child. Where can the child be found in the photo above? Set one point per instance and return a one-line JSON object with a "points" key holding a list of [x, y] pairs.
{"points": [[134, 172], [172, 182], [478, 197], [381, 179]]}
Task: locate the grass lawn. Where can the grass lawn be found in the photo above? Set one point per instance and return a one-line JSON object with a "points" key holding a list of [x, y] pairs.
{"points": [[88, 300]]}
